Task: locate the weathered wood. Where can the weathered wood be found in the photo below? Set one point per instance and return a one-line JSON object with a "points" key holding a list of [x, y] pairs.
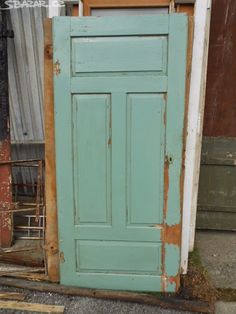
{"points": [[90, 4], [220, 112], [215, 220], [188, 9], [5, 295], [218, 151], [150, 299], [216, 198], [31, 307], [195, 120], [50, 172], [23, 253]]}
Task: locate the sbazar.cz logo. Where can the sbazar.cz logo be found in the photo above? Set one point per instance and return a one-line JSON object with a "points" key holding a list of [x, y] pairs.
{"points": [[17, 4]]}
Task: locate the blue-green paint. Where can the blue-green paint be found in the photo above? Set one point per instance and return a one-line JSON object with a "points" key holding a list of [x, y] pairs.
{"points": [[119, 111]]}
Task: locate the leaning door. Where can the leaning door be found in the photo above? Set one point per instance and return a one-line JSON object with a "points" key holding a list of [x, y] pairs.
{"points": [[119, 113]]}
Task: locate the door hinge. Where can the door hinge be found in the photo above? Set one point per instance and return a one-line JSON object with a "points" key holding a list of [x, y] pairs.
{"points": [[57, 68]]}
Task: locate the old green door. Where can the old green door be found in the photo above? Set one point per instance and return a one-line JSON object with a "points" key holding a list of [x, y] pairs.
{"points": [[119, 111]]}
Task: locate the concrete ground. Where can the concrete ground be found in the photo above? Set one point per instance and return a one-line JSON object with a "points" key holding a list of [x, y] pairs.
{"points": [[225, 307], [82, 305], [217, 250]]}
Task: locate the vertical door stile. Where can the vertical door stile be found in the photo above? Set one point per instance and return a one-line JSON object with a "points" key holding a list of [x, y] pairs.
{"points": [[174, 134], [63, 138]]}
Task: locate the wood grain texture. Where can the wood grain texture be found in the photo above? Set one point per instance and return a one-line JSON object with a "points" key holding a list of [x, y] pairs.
{"points": [[31, 307], [5, 295], [90, 4], [50, 172], [220, 104], [167, 302]]}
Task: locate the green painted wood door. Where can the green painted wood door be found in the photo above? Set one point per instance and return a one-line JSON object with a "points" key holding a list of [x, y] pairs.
{"points": [[119, 113]]}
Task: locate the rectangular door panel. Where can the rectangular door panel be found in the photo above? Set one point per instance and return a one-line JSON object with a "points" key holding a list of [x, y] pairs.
{"points": [[119, 257], [145, 158], [97, 54], [92, 158]]}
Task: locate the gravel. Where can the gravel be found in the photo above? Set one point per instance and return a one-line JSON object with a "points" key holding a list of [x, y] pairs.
{"points": [[81, 305]]}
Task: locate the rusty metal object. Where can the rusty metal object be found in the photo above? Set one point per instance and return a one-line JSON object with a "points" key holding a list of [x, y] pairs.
{"points": [[5, 153], [39, 189]]}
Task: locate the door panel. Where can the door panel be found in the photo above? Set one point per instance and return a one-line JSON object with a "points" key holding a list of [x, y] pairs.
{"points": [[119, 112], [97, 54], [107, 256], [145, 134], [91, 147]]}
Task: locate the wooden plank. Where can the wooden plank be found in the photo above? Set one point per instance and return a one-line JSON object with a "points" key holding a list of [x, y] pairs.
{"points": [[31, 307], [142, 298], [5, 295], [199, 122], [220, 111], [195, 118], [216, 220], [218, 151], [50, 168], [185, 227]]}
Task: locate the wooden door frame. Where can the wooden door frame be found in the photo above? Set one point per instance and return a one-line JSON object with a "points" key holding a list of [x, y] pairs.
{"points": [[52, 245], [88, 5], [185, 6]]}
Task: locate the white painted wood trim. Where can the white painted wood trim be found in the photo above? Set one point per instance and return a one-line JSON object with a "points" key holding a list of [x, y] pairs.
{"points": [[53, 10], [81, 8], [194, 129]]}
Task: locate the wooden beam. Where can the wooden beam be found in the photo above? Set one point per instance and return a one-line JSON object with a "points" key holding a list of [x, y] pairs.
{"points": [[194, 129], [5, 295], [149, 299], [52, 251], [31, 307]]}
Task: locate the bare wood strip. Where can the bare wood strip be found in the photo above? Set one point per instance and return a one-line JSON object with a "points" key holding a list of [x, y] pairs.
{"points": [[161, 301], [5, 295], [32, 307], [50, 167]]}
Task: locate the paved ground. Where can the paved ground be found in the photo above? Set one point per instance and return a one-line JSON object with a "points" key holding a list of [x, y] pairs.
{"points": [[77, 305], [225, 307], [217, 250]]}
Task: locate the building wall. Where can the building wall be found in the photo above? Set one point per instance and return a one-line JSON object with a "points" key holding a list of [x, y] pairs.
{"points": [[217, 188], [26, 88]]}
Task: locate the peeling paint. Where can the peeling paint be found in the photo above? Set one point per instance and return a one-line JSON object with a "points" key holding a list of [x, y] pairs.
{"points": [[166, 186], [62, 258], [56, 67], [172, 234]]}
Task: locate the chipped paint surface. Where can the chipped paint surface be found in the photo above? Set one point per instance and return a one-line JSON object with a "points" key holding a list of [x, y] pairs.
{"points": [[172, 234], [57, 69]]}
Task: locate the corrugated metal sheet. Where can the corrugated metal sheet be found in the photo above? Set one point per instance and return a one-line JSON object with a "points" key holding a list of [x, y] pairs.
{"points": [[26, 87]]}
